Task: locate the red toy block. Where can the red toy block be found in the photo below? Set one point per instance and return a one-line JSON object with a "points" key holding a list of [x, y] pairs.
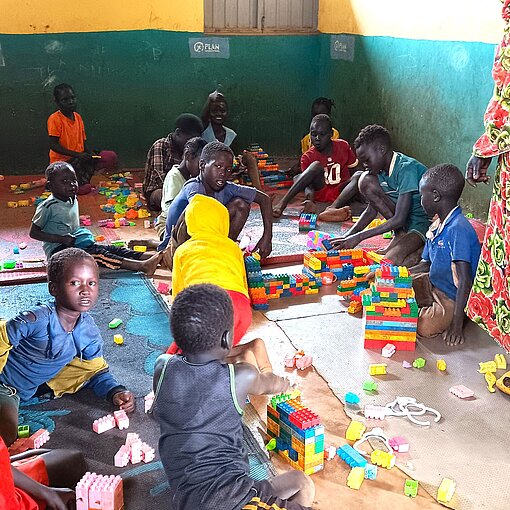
{"points": [[379, 344], [163, 288]]}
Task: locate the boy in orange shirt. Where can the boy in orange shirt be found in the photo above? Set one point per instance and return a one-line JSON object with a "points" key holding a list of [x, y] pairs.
{"points": [[67, 139]]}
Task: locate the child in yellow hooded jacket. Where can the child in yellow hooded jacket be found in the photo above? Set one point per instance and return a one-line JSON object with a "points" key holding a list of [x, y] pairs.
{"points": [[210, 256]]}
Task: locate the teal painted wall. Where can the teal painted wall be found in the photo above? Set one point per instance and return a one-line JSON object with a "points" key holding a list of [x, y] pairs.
{"points": [[131, 86], [431, 95]]}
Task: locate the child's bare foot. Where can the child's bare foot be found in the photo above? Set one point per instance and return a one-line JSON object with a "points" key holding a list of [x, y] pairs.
{"points": [[150, 243], [149, 266], [278, 210], [333, 214], [309, 207]]}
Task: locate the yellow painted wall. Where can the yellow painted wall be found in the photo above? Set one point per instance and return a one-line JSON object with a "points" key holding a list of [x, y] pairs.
{"points": [[53, 16], [446, 20]]}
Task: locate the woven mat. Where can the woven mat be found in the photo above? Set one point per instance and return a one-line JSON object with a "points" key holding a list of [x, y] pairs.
{"points": [[469, 444]]}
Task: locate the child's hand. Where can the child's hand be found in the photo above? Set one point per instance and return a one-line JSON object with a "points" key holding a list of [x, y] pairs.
{"points": [[453, 335], [124, 400], [347, 243], [85, 156], [264, 246], [68, 240], [58, 499]]}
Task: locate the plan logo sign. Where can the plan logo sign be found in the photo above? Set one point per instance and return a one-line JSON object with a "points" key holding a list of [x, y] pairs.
{"points": [[209, 47], [342, 47]]}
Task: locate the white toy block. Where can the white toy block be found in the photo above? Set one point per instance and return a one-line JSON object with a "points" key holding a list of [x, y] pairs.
{"points": [[103, 424], [388, 350], [375, 412], [121, 419]]}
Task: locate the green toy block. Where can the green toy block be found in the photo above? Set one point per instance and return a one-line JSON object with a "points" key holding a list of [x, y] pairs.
{"points": [[9, 264], [419, 363], [23, 431], [411, 488], [115, 323], [387, 235], [120, 243], [271, 445], [369, 386]]}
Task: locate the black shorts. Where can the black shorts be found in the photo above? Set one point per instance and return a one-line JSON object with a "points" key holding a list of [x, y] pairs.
{"points": [[110, 256], [265, 500]]}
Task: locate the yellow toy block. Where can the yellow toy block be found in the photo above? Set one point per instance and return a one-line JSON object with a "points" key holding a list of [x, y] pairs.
{"points": [[490, 379], [446, 490], [383, 459], [143, 213], [355, 478], [354, 431], [487, 366], [141, 249], [23, 203], [377, 369], [118, 339], [441, 365], [12, 205], [500, 361]]}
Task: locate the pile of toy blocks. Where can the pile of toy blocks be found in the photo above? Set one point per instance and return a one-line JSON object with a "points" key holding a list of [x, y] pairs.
{"points": [[298, 432], [316, 238], [24, 443], [307, 222], [262, 287], [390, 310], [270, 175], [99, 492]]}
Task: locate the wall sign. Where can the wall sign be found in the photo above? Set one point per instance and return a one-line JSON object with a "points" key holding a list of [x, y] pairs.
{"points": [[209, 47], [342, 47]]}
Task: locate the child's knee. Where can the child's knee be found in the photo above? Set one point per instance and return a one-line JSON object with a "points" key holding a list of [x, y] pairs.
{"points": [[238, 206], [307, 488], [368, 185]]}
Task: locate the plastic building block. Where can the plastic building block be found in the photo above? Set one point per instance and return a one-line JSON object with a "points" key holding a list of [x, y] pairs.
{"points": [[370, 472], [143, 213], [115, 323], [304, 362], [163, 288], [441, 365], [141, 249], [354, 431], [298, 360], [499, 359], [375, 412], [354, 307], [12, 205], [388, 350], [446, 490], [406, 364], [399, 444], [461, 391], [351, 398], [118, 339], [271, 445], [411, 488], [9, 264], [383, 459], [146, 223], [355, 478], [121, 419], [488, 366], [103, 424], [101, 492], [15, 250], [329, 452], [148, 401], [490, 379], [121, 458], [369, 386], [351, 457], [36, 440], [39, 438], [377, 369], [23, 431], [419, 363]]}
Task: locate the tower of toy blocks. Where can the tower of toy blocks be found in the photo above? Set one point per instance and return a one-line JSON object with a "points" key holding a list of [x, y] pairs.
{"points": [[256, 286], [270, 175], [390, 310], [298, 432], [307, 222], [99, 492]]}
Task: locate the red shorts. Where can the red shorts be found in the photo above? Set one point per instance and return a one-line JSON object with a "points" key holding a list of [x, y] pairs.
{"points": [[330, 192], [242, 319]]}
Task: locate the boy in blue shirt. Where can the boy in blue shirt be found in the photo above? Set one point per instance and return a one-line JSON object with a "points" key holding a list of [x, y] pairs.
{"points": [[444, 277], [215, 168], [390, 186], [56, 223], [199, 401], [56, 346]]}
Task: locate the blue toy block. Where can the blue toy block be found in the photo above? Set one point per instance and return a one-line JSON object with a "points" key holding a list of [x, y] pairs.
{"points": [[370, 472], [351, 457], [351, 398]]}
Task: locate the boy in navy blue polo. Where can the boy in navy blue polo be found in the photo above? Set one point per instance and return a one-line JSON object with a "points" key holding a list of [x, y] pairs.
{"points": [[449, 259]]}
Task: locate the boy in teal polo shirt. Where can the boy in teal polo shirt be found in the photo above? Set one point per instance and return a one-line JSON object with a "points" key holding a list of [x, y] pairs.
{"points": [[390, 186], [444, 277]]}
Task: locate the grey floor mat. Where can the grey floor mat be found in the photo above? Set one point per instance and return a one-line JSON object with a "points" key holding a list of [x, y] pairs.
{"points": [[469, 444]]}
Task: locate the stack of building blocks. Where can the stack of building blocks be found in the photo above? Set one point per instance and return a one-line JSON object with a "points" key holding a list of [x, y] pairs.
{"points": [[35, 441], [298, 360], [390, 310], [307, 222], [298, 432], [134, 450], [99, 492], [108, 422], [270, 175]]}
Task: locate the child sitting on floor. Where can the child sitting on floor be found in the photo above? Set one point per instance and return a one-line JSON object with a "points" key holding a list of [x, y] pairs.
{"points": [[56, 346], [56, 222], [326, 174], [215, 167], [176, 178], [445, 275], [207, 222], [199, 401], [390, 185], [67, 139], [321, 105]]}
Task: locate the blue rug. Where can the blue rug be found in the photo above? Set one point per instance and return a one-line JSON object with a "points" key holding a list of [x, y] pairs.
{"points": [[146, 330]]}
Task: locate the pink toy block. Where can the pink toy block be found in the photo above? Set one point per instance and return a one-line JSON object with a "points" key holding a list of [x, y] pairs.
{"points": [[121, 458], [103, 424], [289, 361], [121, 419], [406, 364], [329, 452], [163, 288], [39, 438], [102, 223], [399, 444], [375, 412], [146, 223], [147, 453], [388, 350], [461, 391], [136, 452], [304, 362], [131, 438], [98, 492], [149, 400]]}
